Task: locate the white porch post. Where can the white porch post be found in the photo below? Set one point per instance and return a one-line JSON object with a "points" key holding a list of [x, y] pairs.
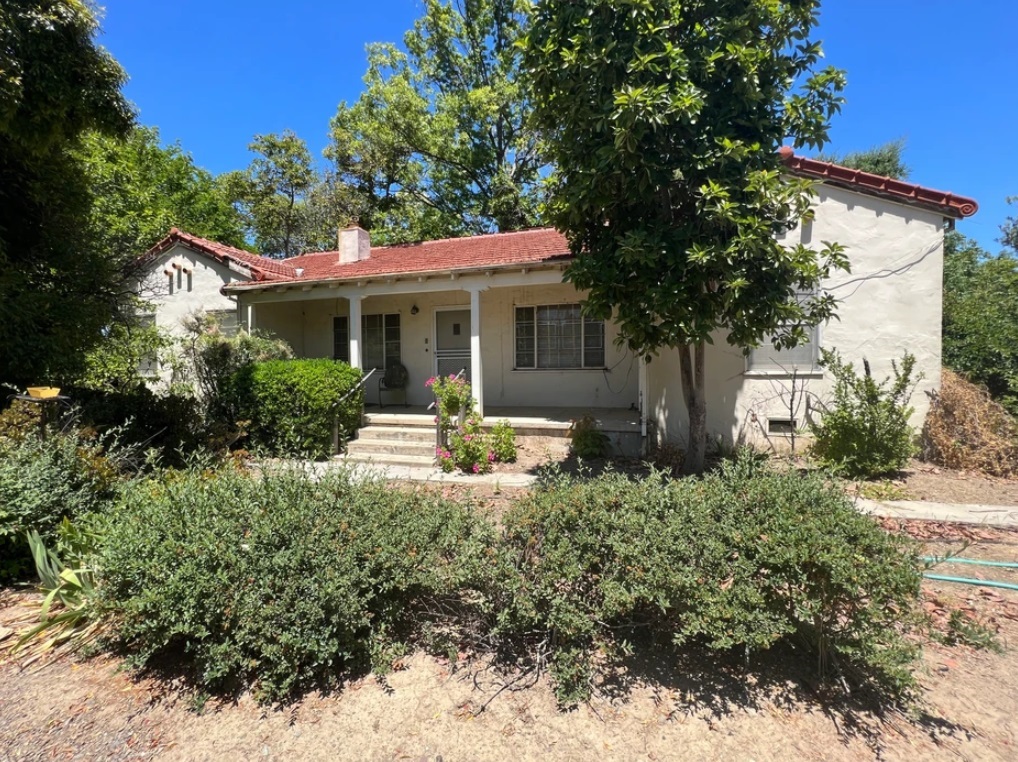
{"points": [[476, 370], [354, 326], [250, 318], [644, 402]]}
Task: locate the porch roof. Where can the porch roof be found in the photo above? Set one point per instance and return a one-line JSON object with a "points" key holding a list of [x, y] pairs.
{"points": [[450, 255]]}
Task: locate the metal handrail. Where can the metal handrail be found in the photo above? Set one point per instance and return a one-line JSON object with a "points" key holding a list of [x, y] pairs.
{"points": [[358, 385], [340, 401], [457, 377], [439, 443]]}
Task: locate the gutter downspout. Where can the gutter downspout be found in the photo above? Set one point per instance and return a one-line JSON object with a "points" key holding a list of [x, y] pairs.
{"points": [[643, 405]]}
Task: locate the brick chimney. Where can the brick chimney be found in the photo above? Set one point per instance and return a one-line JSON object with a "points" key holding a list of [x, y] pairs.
{"points": [[354, 244]]}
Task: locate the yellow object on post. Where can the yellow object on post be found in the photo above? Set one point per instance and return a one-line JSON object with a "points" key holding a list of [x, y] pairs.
{"points": [[43, 392]]}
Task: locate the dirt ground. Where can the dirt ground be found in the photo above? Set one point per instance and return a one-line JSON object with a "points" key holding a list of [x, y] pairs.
{"points": [[65, 708]]}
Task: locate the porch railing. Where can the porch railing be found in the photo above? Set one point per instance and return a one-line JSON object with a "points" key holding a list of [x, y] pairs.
{"points": [[439, 439], [338, 403]]}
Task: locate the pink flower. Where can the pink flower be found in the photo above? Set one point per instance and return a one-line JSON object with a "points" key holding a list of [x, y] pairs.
{"points": [[491, 456], [467, 438], [436, 419], [477, 469]]}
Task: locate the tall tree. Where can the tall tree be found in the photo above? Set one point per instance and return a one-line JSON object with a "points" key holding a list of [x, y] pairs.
{"points": [[981, 316], [886, 160], [664, 119], [141, 189], [289, 206], [1009, 230], [57, 290], [439, 142]]}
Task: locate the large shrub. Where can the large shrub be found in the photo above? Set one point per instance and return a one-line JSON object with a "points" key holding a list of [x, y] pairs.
{"points": [[865, 430], [209, 359], [285, 580], [292, 404], [741, 559], [966, 429], [43, 480]]}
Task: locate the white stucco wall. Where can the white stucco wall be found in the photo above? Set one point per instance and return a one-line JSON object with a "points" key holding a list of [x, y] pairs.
{"points": [[890, 302], [307, 326], [174, 297]]}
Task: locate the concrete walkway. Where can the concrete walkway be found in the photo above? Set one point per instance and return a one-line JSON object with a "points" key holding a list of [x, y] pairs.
{"points": [[433, 475], [990, 515]]}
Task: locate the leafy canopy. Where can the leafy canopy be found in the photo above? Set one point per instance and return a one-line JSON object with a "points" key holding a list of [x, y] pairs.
{"points": [[57, 288], [885, 160], [664, 121], [439, 144], [980, 318], [288, 205], [142, 189]]}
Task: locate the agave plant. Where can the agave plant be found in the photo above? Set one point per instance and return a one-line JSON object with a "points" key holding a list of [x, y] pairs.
{"points": [[68, 591]]}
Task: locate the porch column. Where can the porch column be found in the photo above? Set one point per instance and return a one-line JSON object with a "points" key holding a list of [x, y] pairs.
{"points": [[644, 402], [476, 370], [250, 318], [354, 326]]}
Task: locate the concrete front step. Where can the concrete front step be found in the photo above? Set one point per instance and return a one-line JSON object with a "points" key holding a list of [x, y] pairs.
{"points": [[415, 434], [378, 447], [421, 461]]}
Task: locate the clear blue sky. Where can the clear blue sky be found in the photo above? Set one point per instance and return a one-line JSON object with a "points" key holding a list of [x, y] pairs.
{"points": [[940, 73]]}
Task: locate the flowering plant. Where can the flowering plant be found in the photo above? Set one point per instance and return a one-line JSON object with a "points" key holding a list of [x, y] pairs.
{"points": [[465, 446]]}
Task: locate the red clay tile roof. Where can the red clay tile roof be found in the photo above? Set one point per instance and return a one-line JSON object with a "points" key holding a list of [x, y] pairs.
{"points": [[864, 182], [262, 268], [524, 247]]}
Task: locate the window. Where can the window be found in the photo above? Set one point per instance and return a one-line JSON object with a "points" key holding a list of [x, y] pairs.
{"points": [[768, 359], [558, 336], [803, 357], [148, 362], [341, 338], [381, 337], [226, 320]]}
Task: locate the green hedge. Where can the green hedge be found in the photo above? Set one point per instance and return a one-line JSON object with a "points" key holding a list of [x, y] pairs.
{"points": [[742, 559], [43, 481], [284, 581], [291, 404]]}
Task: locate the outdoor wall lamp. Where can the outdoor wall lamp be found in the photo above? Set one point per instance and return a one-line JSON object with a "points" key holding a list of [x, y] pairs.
{"points": [[414, 310]]}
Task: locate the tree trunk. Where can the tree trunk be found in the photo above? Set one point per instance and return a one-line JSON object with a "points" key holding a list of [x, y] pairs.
{"points": [[691, 363]]}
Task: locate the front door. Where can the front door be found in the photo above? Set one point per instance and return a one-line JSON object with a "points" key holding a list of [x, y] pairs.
{"points": [[452, 342]]}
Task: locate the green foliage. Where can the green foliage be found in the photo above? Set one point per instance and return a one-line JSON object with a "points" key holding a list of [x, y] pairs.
{"points": [[44, 480], [284, 580], [115, 363], [664, 121], [209, 360], [586, 440], [68, 582], [57, 290], [744, 558], [465, 445], [885, 160], [141, 189], [438, 144], [292, 404], [503, 442], [980, 320], [865, 431], [19, 420], [288, 206]]}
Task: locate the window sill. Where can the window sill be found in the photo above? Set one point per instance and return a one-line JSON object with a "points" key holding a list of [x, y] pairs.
{"points": [[558, 370], [783, 374]]}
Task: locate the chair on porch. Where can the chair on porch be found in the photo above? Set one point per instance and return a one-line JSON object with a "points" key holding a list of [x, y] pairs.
{"points": [[394, 380]]}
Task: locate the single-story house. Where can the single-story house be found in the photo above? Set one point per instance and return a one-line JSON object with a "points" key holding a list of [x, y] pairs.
{"points": [[496, 306]]}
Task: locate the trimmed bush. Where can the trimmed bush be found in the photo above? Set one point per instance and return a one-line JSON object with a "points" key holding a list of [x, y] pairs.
{"points": [[865, 431], [284, 581], [741, 559], [43, 481], [291, 404]]}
